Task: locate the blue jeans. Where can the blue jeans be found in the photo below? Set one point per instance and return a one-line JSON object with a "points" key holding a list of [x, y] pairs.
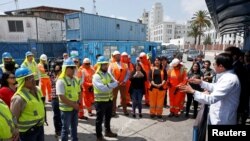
{"points": [[57, 115], [34, 134], [137, 99], [69, 119]]}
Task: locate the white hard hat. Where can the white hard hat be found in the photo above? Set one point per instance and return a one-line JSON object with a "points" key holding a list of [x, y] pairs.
{"points": [[116, 52], [124, 54], [43, 57], [86, 60], [175, 62], [142, 54]]}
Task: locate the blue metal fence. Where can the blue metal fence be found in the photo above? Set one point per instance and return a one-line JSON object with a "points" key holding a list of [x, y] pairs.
{"points": [[90, 49], [18, 50]]}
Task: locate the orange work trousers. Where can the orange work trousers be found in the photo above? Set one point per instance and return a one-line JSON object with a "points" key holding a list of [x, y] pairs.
{"points": [[123, 98], [156, 98], [87, 99], [128, 98], [176, 100], [147, 92], [46, 87]]}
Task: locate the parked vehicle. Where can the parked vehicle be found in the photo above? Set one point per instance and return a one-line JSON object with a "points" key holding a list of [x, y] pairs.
{"points": [[172, 53], [192, 54]]}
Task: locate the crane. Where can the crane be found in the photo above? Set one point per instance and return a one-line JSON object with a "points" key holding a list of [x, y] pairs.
{"points": [[94, 8]]}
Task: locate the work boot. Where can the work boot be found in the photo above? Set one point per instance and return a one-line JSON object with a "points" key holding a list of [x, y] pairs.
{"points": [[100, 139], [110, 134], [83, 117]]}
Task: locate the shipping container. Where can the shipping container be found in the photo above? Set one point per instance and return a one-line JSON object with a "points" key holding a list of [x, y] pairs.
{"points": [[89, 49], [82, 26], [18, 50]]}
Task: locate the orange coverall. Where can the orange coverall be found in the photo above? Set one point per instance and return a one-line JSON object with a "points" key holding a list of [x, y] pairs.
{"points": [[125, 59], [146, 66], [119, 74], [86, 75], [176, 76], [45, 82]]}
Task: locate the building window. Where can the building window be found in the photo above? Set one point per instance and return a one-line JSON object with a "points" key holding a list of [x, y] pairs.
{"points": [[73, 24], [117, 26], [15, 26], [107, 50], [131, 28], [136, 50]]}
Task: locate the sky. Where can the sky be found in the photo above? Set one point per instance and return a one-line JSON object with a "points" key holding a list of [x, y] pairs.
{"points": [[174, 10]]}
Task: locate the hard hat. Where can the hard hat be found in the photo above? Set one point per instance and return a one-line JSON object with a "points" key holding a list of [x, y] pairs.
{"points": [[175, 62], [86, 60], [142, 54], [28, 53], [6, 55], [69, 63], [43, 57], [23, 72], [102, 60], [116, 52], [124, 54]]}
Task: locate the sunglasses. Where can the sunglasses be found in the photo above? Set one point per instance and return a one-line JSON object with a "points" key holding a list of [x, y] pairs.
{"points": [[76, 61], [12, 77], [87, 64]]}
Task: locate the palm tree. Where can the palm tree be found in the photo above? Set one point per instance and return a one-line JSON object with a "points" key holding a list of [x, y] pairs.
{"points": [[201, 19], [194, 32]]}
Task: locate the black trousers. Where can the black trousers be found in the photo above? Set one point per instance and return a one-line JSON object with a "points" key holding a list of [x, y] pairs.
{"points": [[103, 109], [190, 98]]}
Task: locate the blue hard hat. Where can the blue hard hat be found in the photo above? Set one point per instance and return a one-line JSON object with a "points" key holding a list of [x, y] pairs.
{"points": [[28, 53], [6, 55], [102, 60], [22, 72], [69, 63]]}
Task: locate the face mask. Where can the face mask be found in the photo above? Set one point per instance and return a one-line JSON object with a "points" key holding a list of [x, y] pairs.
{"points": [[9, 66]]}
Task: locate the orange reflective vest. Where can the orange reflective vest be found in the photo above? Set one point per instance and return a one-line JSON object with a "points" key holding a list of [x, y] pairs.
{"points": [[88, 75], [119, 73]]}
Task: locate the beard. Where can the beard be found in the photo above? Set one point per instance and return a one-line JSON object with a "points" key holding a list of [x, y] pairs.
{"points": [[104, 71], [10, 66]]}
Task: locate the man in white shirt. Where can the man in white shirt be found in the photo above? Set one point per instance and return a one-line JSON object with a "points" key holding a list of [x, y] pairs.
{"points": [[223, 96]]}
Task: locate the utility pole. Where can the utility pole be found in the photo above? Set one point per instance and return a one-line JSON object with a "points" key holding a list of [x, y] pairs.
{"points": [[94, 8], [16, 3]]}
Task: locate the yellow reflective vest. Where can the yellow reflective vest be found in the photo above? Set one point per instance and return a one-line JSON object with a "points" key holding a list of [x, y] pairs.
{"points": [[103, 96], [33, 113], [7, 126], [71, 92]]}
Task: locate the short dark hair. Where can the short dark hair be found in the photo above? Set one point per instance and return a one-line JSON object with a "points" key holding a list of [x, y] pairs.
{"points": [[98, 55], [234, 51], [4, 82], [225, 60], [247, 55], [207, 61]]}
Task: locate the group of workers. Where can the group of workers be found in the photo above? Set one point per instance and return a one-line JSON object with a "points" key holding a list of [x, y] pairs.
{"points": [[73, 88]]}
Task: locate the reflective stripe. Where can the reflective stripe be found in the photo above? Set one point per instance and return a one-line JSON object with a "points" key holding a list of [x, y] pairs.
{"points": [[27, 95], [30, 122], [8, 121]]}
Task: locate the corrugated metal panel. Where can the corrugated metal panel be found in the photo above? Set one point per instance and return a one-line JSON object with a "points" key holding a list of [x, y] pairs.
{"points": [[94, 27], [90, 49], [18, 50]]}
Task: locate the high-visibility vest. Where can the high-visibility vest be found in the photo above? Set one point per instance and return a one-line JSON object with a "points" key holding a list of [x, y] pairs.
{"points": [[6, 122], [119, 73], [71, 92], [33, 114], [103, 96], [180, 77], [32, 67], [42, 74], [88, 75]]}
